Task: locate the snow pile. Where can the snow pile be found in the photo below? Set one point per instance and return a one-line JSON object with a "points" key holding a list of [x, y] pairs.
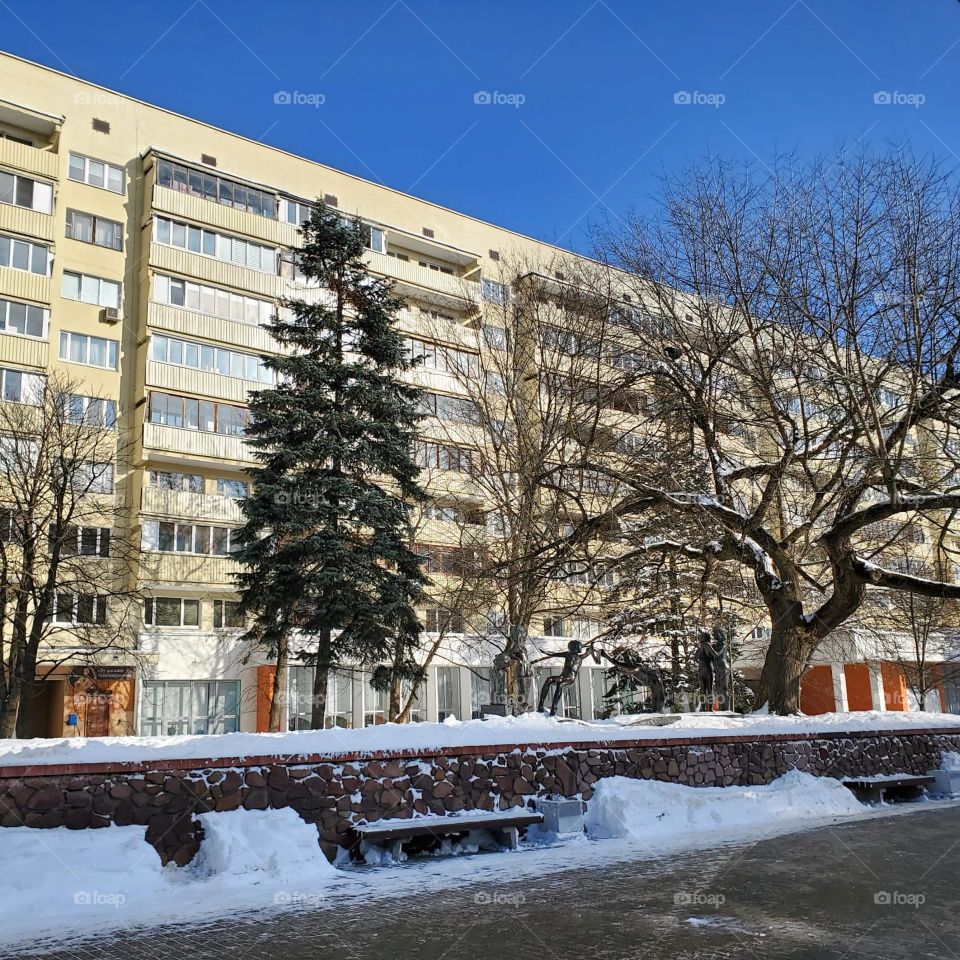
{"points": [[411, 737], [649, 810], [251, 844], [65, 881], [950, 761]]}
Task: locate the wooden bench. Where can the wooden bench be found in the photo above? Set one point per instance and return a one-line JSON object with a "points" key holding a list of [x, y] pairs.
{"points": [[503, 824], [893, 788]]}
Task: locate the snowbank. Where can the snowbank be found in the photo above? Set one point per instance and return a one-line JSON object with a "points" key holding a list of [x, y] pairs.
{"points": [[70, 881], [649, 810], [409, 738]]}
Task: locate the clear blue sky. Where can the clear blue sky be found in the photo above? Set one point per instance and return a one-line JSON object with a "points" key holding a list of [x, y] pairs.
{"points": [[598, 122]]}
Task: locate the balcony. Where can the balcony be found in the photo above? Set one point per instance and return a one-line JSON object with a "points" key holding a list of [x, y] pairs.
{"points": [[221, 217], [441, 330], [175, 444], [167, 570], [24, 351], [30, 160], [167, 376], [438, 287], [22, 285], [188, 264], [181, 505], [228, 332], [28, 223]]}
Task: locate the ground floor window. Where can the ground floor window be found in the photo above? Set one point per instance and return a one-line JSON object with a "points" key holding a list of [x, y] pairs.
{"points": [[339, 707], [172, 707], [569, 702], [448, 693], [627, 702], [479, 691]]}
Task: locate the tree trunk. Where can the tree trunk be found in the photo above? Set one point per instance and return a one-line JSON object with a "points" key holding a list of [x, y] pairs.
{"points": [[783, 667], [29, 692], [318, 711], [279, 681], [10, 708]]}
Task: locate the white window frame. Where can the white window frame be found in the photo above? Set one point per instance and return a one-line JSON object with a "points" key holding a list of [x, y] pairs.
{"points": [[6, 304], [150, 619], [67, 338], [107, 168], [83, 281], [30, 384], [46, 191], [32, 246]]}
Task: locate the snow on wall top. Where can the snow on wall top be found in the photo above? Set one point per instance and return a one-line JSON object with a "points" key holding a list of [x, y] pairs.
{"points": [[410, 738]]}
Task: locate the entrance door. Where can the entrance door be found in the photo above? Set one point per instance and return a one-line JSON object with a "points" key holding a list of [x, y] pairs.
{"points": [[96, 719]]}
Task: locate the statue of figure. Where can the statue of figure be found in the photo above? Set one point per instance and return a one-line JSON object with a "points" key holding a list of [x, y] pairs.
{"points": [[646, 675], [498, 679], [712, 668], [572, 661]]}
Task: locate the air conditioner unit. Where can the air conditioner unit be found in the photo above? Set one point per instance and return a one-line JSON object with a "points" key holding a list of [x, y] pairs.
{"points": [[109, 315]]}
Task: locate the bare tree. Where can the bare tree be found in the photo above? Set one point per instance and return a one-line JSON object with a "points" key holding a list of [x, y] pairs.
{"points": [[802, 327], [67, 570]]}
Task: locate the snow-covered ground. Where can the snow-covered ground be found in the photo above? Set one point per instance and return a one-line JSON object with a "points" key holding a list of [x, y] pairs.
{"points": [[405, 738], [91, 881]]}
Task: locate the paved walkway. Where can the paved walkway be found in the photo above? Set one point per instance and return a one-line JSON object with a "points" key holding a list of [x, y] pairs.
{"points": [[882, 888]]}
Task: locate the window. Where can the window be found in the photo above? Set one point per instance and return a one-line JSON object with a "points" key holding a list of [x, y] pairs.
{"points": [[445, 513], [479, 691], [90, 351], [493, 292], [442, 456], [296, 212], [454, 409], [169, 536], [24, 255], [209, 416], [243, 253], [82, 541], [209, 186], [448, 693], [87, 289], [339, 705], [433, 356], [19, 387], [23, 318], [165, 480], [441, 620], [92, 229], [202, 356], [554, 627], [494, 337], [13, 526], [15, 138], [375, 704], [455, 561], [212, 301], [91, 411], [172, 707], [226, 615], [78, 608], [171, 612], [97, 173], [93, 478], [569, 700], [21, 191], [238, 489]]}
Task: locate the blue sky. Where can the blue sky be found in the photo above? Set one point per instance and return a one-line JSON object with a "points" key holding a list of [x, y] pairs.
{"points": [[587, 116]]}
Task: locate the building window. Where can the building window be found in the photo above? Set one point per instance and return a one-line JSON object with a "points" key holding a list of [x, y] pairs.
{"points": [[87, 289], [480, 686], [173, 707], [96, 173], [339, 706], [93, 478], [210, 359], [376, 704], [88, 228], [296, 212], [19, 387], [208, 416], [493, 292], [24, 255], [209, 243], [442, 620], [90, 351], [209, 186], [448, 693], [171, 612], [569, 701], [555, 627], [91, 411], [444, 456], [79, 608], [237, 489], [83, 541], [170, 536], [166, 480], [226, 615], [213, 301], [433, 356], [24, 319], [20, 191], [452, 409]]}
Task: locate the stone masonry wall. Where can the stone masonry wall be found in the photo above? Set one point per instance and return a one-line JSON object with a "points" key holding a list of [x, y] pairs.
{"points": [[337, 793]]}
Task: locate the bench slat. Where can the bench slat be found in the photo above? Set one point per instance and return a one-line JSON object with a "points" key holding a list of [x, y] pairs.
{"points": [[395, 829]]}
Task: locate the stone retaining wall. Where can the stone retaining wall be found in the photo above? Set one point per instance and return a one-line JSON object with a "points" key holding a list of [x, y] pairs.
{"points": [[335, 793]]}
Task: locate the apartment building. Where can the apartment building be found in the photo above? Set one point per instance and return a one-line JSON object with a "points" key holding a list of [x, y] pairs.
{"points": [[141, 252]]}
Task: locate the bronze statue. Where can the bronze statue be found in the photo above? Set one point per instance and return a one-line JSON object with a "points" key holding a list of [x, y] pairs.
{"points": [[712, 668], [572, 661], [645, 674]]}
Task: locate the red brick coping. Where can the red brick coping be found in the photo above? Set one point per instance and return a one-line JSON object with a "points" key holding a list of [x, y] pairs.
{"points": [[298, 759]]}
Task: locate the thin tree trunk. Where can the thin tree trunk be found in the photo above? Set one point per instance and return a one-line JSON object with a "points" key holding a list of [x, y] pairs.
{"points": [[29, 693], [318, 712], [10, 708], [279, 682]]}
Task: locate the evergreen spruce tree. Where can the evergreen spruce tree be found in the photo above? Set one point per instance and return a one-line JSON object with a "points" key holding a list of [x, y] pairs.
{"points": [[326, 547]]}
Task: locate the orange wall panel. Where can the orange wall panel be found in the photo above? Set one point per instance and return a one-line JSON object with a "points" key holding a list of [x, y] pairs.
{"points": [[816, 691], [859, 695], [894, 686], [265, 675]]}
